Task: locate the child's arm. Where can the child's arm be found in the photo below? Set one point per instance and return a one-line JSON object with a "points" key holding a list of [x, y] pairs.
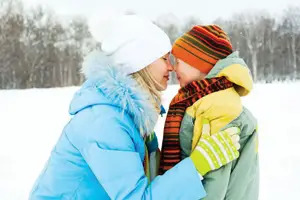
{"points": [[240, 178], [215, 151]]}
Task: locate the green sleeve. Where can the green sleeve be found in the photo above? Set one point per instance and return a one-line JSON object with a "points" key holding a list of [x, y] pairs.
{"points": [[240, 178]]}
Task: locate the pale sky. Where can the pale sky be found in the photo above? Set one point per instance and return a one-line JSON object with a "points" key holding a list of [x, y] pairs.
{"points": [[207, 10]]}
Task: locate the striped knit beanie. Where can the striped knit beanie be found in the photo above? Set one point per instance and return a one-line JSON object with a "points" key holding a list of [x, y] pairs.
{"points": [[202, 47]]}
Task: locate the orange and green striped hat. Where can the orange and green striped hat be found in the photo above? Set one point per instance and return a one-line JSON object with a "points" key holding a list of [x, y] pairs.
{"points": [[202, 47]]}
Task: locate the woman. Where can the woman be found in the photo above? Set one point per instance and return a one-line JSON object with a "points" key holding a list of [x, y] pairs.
{"points": [[101, 153]]}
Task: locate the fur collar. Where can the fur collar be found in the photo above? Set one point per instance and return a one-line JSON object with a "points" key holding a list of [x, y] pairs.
{"points": [[121, 90]]}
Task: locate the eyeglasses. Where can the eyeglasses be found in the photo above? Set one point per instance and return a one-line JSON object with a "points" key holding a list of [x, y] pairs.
{"points": [[169, 59]]}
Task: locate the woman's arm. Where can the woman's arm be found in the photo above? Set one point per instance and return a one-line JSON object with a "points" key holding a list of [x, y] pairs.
{"points": [[111, 153]]}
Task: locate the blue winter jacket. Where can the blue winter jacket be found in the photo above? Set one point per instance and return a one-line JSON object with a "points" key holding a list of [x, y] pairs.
{"points": [[101, 150]]}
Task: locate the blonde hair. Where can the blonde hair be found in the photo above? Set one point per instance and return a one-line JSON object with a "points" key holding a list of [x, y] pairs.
{"points": [[145, 79]]}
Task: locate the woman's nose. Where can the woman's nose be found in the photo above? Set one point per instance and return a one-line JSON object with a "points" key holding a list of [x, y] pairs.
{"points": [[170, 66]]}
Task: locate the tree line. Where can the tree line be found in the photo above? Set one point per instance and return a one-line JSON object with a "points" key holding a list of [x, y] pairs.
{"points": [[39, 50]]}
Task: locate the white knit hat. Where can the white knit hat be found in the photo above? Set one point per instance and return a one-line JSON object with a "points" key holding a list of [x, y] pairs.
{"points": [[130, 41]]}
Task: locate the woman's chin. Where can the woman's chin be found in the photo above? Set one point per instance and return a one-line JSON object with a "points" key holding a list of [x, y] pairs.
{"points": [[163, 86]]}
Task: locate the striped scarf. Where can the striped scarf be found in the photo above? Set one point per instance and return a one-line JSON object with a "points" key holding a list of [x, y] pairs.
{"points": [[186, 97]]}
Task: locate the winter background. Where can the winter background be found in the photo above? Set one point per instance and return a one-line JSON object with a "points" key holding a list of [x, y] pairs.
{"points": [[42, 44]]}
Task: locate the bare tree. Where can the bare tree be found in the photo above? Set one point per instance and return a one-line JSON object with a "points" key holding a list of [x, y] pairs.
{"points": [[189, 23], [291, 27], [38, 49]]}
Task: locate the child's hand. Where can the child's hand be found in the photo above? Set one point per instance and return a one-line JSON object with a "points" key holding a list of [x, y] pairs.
{"points": [[213, 152]]}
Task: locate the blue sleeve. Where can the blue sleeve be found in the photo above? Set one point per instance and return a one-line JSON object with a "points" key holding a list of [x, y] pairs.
{"points": [[111, 154]]}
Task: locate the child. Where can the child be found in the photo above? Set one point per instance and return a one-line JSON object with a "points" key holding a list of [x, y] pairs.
{"points": [[212, 79]]}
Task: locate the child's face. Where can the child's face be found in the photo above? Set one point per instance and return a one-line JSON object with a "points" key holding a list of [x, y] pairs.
{"points": [[186, 73]]}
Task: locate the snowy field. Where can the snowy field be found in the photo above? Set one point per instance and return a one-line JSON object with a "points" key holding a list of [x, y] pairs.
{"points": [[31, 122]]}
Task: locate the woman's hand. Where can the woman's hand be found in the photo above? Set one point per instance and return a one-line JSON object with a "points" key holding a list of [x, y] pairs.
{"points": [[217, 150]]}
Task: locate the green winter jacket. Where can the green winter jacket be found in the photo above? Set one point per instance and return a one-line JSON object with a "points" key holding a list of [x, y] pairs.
{"points": [[238, 180]]}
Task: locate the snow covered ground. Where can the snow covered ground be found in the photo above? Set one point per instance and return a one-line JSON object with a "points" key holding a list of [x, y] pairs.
{"points": [[31, 122]]}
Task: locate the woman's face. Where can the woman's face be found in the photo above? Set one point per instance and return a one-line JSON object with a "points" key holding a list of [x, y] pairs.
{"points": [[186, 73], [160, 70]]}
